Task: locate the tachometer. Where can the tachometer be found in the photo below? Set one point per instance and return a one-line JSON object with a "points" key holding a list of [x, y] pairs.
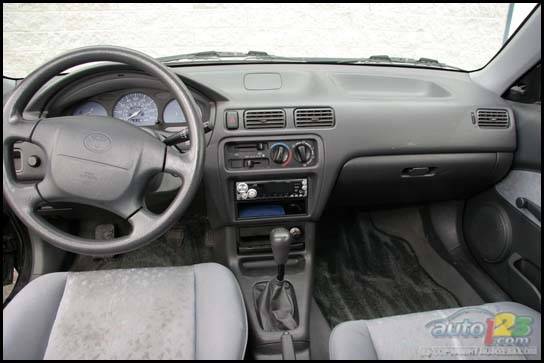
{"points": [[137, 108], [90, 108], [174, 114]]}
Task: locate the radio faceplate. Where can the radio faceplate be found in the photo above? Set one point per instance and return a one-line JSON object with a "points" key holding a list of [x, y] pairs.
{"points": [[271, 189]]}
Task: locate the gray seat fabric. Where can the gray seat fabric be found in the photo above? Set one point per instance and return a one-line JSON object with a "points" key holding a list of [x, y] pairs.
{"points": [[191, 312], [410, 336]]}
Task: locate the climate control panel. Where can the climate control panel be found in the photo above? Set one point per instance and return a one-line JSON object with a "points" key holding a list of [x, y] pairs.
{"points": [[270, 154]]}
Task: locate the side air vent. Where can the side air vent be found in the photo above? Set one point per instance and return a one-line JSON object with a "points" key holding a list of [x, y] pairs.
{"points": [[492, 119], [314, 117], [264, 119]]}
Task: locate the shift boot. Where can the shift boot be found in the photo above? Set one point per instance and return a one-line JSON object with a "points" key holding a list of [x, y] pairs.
{"points": [[276, 305]]}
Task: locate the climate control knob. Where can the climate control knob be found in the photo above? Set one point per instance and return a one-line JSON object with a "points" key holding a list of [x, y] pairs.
{"points": [[303, 152], [279, 153]]}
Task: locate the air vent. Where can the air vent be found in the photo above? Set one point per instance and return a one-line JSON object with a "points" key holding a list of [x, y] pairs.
{"points": [[264, 119], [493, 119], [314, 117]]}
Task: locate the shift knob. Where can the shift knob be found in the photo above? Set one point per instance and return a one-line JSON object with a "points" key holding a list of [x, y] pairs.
{"points": [[280, 240]]}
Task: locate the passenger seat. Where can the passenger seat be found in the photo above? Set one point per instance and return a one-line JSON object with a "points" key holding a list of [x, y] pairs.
{"points": [[492, 331]]}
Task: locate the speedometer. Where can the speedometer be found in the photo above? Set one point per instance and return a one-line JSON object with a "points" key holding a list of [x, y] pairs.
{"points": [[136, 108]]}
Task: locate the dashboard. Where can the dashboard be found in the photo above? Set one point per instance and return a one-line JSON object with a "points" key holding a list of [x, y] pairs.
{"points": [[328, 134]]}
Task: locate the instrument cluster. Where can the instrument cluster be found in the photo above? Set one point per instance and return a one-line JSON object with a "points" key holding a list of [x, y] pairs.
{"points": [[140, 107]]}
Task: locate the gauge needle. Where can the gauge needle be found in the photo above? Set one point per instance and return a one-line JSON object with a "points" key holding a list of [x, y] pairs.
{"points": [[135, 114]]}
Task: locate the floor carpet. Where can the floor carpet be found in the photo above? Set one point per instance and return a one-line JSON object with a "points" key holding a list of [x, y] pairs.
{"points": [[363, 273], [183, 245]]}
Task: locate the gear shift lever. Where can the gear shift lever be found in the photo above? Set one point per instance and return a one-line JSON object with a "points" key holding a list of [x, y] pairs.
{"points": [[280, 240], [275, 300]]}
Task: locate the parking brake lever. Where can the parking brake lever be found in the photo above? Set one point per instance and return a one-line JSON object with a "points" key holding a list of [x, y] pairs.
{"points": [[183, 135], [287, 347]]}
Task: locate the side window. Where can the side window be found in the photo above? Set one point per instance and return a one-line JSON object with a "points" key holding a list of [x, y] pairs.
{"points": [[527, 89]]}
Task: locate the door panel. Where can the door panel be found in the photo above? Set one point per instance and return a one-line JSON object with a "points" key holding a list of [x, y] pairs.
{"points": [[507, 245], [528, 122], [522, 184], [502, 230]]}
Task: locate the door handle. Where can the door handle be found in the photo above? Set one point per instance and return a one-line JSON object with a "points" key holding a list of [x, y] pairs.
{"points": [[524, 203], [418, 172]]}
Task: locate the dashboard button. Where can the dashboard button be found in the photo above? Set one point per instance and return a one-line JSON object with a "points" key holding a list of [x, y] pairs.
{"points": [[231, 120], [251, 193]]}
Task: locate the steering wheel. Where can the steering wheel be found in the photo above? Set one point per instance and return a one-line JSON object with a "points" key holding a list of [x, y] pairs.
{"points": [[99, 161]]}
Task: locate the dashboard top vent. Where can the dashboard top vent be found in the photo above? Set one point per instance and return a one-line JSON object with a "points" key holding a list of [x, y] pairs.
{"points": [[264, 119], [314, 117], [492, 118]]}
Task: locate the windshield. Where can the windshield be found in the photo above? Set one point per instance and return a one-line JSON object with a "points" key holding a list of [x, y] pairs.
{"points": [[448, 36]]}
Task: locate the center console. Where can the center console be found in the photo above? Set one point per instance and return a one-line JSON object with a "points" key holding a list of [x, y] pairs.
{"points": [[267, 283], [268, 191]]}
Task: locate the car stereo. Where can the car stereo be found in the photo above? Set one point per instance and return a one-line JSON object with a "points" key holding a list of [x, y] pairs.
{"points": [[271, 189]]}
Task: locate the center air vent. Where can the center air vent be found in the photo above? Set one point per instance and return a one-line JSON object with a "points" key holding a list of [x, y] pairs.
{"points": [[314, 117], [492, 119], [264, 119]]}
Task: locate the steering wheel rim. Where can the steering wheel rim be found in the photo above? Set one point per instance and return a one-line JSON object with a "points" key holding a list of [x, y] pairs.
{"points": [[90, 153]]}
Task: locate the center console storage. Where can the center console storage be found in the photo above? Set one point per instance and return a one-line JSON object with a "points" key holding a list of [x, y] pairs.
{"points": [[256, 239]]}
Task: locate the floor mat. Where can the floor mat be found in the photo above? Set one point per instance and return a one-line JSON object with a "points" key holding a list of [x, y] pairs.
{"points": [[183, 245], [407, 222], [363, 273]]}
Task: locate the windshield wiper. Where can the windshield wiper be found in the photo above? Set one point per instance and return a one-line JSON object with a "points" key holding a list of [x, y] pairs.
{"points": [[385, 59], [217, 55], [260, 56]]}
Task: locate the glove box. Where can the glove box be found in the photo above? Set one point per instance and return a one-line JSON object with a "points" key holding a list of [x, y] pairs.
{"points": [[404, 179]]}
